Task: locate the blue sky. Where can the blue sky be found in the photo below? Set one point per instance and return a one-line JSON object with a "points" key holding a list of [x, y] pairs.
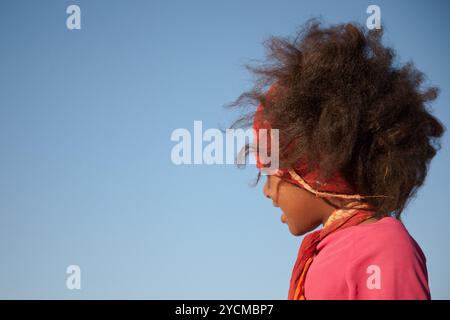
{"points": [[85, 123]]}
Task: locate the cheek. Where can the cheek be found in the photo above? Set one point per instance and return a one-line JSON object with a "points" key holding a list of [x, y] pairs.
{"points": [[296, 204]]}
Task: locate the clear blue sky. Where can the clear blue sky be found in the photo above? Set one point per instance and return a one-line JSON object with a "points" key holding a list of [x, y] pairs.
{"points": [[85, 171]]}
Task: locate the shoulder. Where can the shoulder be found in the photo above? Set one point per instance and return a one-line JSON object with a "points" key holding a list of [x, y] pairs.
{"points": [[387, 237], [384, 251]]}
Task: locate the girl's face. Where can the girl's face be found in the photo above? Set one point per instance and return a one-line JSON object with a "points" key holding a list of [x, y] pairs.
{"points": [[302, 210]]}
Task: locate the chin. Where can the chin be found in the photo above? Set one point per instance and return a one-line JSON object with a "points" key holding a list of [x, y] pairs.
{"points": [[297, 232], [300, 230]]}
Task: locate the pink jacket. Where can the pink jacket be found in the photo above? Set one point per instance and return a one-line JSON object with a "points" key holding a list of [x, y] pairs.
{"points": [[378, 260]]}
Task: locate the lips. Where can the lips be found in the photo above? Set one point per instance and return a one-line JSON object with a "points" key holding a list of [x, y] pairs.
{"points": [[283, 218]]}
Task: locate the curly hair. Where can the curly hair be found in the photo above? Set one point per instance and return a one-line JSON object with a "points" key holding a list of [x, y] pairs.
{"points": [[346, 105]]}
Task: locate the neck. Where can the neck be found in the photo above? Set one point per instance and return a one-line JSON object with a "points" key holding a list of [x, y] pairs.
{"points": [[327, 217], [342, 213]]}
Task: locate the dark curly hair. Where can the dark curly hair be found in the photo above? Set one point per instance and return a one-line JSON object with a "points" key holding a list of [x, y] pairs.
{"points": [[346, 105]]}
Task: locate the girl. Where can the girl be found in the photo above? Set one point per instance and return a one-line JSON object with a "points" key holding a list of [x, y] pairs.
{"points": [[355, 142]]}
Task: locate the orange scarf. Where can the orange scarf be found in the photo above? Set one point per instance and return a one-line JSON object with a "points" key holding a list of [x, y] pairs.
{"points": [[340, 219]]}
